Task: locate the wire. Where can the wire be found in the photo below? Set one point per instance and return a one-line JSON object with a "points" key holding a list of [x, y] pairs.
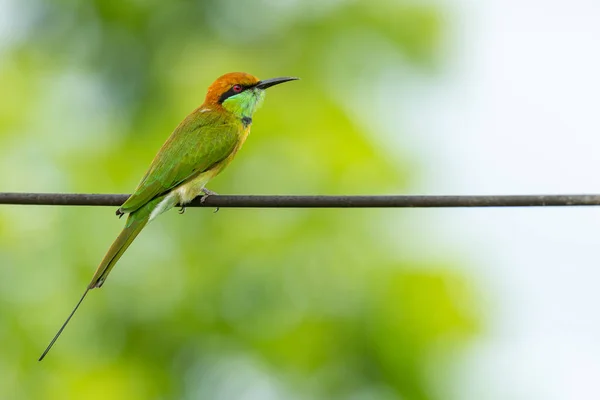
{"points": [[244, 201]]}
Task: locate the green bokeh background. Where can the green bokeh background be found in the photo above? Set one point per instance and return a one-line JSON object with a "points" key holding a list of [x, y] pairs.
{"points": [[242, 304]]}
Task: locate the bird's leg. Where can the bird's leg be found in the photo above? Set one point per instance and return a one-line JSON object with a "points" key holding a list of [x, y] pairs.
{"points": [[208, 192]]}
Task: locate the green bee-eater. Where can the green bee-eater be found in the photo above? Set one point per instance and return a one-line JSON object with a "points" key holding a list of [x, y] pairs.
{"points": [[201, 146]]}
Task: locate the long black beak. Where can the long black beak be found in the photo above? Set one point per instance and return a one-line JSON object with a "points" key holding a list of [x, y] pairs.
{"points": [[267, 83]]}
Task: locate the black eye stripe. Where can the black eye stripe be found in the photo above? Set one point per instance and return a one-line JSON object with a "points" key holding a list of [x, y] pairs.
{"points": [[232, 92]]}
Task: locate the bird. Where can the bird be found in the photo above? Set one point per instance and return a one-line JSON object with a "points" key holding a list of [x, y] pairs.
{"points": [[199, 148]]}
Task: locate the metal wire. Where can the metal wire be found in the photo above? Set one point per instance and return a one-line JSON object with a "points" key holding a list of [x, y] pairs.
{"points": [[285, 201]]}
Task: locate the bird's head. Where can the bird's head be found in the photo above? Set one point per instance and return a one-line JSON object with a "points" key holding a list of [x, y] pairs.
{"points": [[240, 93]]}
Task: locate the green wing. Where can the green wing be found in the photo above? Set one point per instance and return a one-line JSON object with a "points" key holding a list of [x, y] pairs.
{"points": [[200, 141]]}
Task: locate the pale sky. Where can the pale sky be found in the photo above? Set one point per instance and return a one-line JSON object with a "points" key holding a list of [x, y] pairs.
{"points": [[517, 113]]}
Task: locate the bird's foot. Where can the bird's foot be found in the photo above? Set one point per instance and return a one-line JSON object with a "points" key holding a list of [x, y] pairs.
{"points": [[181, 210], [208, 192], [119, 213]]}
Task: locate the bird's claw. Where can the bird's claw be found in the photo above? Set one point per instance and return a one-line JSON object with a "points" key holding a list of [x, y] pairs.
{"points": [[119, 213], [208, 192], [181, 210]]}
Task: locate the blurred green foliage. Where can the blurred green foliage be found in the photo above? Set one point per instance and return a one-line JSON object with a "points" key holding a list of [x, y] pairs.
{"points": [[243, 304]]}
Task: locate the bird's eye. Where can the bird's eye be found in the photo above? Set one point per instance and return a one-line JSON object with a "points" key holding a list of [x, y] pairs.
{"points": [[237, 88]]}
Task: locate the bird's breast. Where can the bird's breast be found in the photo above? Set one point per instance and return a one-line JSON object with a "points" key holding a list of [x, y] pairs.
{"points": [[190, 190]]}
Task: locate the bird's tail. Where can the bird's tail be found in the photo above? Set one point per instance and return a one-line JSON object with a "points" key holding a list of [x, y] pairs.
{"points": [[135, 224], [133, 227]]}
